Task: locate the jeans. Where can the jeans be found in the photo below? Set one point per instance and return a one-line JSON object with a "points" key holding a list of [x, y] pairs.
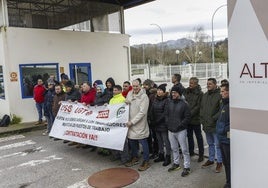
{"points": [[179, 137], [50, 120], [213, 143], [225, 149], [191, 130], [134, 148], [40, 109], [163, 141]]}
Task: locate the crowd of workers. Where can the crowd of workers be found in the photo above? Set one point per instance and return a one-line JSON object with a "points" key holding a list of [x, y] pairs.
{"points": [[161, 122]]}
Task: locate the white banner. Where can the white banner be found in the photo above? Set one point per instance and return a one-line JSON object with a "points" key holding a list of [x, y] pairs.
{"points": [[102, 126]]}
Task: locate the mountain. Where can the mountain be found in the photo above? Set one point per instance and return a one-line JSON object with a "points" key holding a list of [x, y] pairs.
{"points": [[172, 44]]}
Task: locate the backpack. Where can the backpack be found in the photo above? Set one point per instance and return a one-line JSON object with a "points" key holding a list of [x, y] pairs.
{"points": [[5, 121]]}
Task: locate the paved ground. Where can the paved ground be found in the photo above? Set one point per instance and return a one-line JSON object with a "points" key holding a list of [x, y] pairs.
{"points": [[31, 160]]}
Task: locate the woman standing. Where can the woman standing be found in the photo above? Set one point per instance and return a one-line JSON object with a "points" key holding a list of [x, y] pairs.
{"points": [[158, 122]]}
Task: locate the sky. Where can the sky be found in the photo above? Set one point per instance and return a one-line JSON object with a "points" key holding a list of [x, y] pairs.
{"points": [[176, 18]]}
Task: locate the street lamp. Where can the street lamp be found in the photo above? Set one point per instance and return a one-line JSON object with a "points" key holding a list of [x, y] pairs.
{"points": [[212, 36], [177, 53], [162, 49], [197, 58]]}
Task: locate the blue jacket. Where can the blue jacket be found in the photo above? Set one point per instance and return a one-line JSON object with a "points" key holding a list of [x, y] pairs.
{"points": [[223, 123]]}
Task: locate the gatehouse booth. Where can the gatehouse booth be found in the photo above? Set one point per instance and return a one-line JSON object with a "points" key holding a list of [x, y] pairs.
{"points": [[84, 39]]}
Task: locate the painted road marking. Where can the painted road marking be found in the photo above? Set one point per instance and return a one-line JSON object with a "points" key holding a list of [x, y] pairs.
{"points": [[33, 163], [5, 139], [23, 153], [18, 144]]}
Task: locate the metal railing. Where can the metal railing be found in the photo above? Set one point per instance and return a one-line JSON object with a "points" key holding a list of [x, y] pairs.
{"points": [[163, 74]]}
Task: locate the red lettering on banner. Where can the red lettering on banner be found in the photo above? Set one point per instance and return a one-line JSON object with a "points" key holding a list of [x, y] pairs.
{"points": [[93, 137], [80, 110], [103, 114], [66, 107], [76, 134]]}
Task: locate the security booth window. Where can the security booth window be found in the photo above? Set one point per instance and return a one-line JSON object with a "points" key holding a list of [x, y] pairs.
{"points": [[30, 73], [2, 88]]}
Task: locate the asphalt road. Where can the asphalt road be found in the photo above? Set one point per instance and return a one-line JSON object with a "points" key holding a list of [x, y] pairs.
{"points": [[31, 160]]}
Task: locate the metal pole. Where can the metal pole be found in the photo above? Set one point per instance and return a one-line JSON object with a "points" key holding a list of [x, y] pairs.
{"points": [[212, 36], [162, 39]]}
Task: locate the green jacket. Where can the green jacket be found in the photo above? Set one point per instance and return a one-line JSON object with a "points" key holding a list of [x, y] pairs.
{"points": [[209, 110], [193, 97]]}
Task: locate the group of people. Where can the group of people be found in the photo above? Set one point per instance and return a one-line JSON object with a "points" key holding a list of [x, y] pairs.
{"points": [[161, 122]]}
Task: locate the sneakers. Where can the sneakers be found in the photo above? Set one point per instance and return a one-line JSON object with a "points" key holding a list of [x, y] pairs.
{"points": [[144, 166], [133, 162], [218, 167], [45, 133], [160, 158], [192, 154], [207, 164], [185, 172], [200, 158], [38, 123], [174, 167]]}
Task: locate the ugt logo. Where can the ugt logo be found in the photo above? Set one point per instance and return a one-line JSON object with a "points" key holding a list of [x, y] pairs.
{"points": [[120, 112]]}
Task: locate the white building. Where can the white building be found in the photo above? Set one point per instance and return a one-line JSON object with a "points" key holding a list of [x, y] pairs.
{"points": [[248, 57], [32, 45]]}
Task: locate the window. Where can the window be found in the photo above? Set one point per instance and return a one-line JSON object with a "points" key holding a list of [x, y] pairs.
{"points": [[30, 73], [2, 88]]}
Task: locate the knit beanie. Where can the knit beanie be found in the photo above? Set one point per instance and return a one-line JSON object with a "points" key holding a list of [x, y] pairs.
{"points": [[98, 82], [177, 89], [162, 87]]}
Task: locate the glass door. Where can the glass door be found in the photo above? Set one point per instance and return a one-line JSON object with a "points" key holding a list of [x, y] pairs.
{"points": [[80, 72]]}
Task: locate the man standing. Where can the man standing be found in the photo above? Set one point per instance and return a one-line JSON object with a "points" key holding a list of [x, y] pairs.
{"points": [[193, 95], [118, 98], [126, 88], [209, 113], [38, 92], [151, 89], [88, 93], [177, 115], [138, 126], [223, 131], [176, 80]]}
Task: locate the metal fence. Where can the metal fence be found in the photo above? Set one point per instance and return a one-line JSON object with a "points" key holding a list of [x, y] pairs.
{"points": [[163, 73]]}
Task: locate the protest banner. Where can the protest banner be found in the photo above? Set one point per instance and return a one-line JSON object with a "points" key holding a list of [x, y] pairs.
{"points": [[102, 126]]}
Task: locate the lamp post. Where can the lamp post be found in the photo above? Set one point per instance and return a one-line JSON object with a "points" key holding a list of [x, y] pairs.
{"points": [[162, 49], [197, 58], [177, 53], [212, 36]]}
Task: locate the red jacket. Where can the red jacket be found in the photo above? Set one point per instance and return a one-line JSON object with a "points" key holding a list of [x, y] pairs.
{"points": [[89, 97], [38, 93]]}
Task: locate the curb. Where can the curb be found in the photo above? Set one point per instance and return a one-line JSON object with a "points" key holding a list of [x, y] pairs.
{"points": [[22, 130]]}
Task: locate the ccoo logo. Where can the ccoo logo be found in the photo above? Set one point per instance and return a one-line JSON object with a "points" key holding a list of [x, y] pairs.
{"points": [[120, 112]]}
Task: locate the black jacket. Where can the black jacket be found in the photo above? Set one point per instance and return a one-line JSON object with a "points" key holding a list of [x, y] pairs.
{"points": [[177, 115], [73, 95], [194, 97], [157, 113]]}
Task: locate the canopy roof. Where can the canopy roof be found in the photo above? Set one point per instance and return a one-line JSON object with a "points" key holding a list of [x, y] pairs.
{"points": [[55, 14]]}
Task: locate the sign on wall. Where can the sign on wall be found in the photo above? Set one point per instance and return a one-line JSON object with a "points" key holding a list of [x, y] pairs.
{"points": [[102, 126], [13, 77]]}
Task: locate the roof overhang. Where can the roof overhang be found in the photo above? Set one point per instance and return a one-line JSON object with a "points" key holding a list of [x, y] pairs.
{"points": [[55, 14]]}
